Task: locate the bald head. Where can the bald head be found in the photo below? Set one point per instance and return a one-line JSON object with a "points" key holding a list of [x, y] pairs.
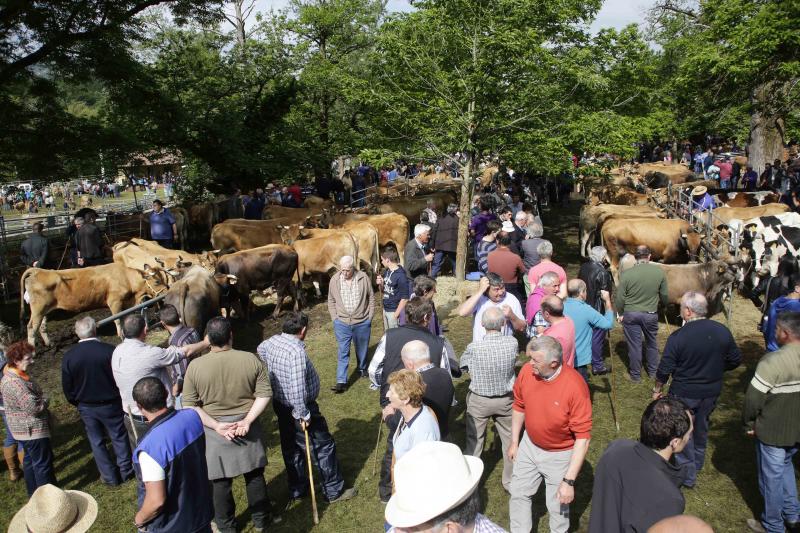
{"points": [[346, 266], [415, 354], [493, 319], [680, 524], [576, 288], [553, 306]]}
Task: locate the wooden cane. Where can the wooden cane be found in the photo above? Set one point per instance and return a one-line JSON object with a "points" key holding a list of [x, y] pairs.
{"points": [[311, 477], [133, 426], [613, 384], [377, 444]]}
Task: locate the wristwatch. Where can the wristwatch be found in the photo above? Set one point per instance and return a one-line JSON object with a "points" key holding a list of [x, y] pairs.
{"points": [[570, 482]]}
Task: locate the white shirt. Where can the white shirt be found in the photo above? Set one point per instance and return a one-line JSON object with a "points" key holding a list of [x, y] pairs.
{"points": [[484, 303], [151, 470]]}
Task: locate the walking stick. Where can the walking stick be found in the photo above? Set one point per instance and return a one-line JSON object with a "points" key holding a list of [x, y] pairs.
{"points": [[133, 426], [613, 384], [377, 444], [311, 477], [63, 255]]}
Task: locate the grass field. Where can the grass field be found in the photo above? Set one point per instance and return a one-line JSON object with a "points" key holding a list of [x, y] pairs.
{"points": [[726, 493]]}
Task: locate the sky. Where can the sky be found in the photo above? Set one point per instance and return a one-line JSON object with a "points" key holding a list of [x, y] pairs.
{"points": [[614, 13]]}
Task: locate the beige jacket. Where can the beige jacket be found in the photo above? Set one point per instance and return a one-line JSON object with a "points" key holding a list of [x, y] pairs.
{"points": [[365, 308]]}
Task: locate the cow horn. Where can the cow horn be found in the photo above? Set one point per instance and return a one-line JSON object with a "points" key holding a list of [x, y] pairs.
{"points": [[300, 227], [216, 251], [159, 261], [683, 236], [173, 273]]}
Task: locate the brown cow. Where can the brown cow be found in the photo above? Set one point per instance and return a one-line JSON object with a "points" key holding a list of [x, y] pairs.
{"points": [[294, 214], [318, 202], [670, 241], [615, 194], [364, 233], [202, 217], [82, 289], [319, 255], [393, 229], [746, 199], [723, 215], [260, 268], [182, 225], [592, 219], [196, 296], [239, 234], [413, 206], [136, 253]]}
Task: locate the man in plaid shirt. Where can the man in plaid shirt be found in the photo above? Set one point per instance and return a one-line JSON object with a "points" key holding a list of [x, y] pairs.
{"points": [[490, 363], [295, 387]]}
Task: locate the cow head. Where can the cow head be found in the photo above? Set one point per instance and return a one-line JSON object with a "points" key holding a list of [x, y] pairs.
{"points": [[158, 279], [325, 219], [313, 221], [209, 259], [290, 233], [691, 241]]}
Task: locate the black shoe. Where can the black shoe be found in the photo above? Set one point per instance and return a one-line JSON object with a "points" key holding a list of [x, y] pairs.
{"points": [[793, 527], [345, 495], [632, 379], [444, 328], [339, 388], [363, 373], [601, 372]]}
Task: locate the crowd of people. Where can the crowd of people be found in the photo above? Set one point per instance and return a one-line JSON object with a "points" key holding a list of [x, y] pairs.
{"points": [[184, 420]]}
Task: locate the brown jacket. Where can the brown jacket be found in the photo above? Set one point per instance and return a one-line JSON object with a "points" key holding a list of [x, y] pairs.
{"points": [[365, 308]]}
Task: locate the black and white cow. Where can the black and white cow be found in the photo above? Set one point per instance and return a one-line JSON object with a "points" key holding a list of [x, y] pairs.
{"points": [[766, 239]]}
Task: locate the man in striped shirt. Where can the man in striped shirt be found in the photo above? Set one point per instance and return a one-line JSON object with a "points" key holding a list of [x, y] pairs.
{"points": [[295, 387], [179, 335]]}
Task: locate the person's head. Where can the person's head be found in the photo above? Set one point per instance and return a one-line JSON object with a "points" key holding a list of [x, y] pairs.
{"points": [[134, 327], [347, 266], [415, 354], [534, 229], [503, 239], [787, 265], [505, 213], [545, 250], [693, 305], [484, 205], [219, 332], [666, 423], [85, 328], [295, 323], [452, 209], [419, 311], [425, 286], [89, 218], [150, 395], [435, 489], [422, 232], [158, 205], [521, 219], [787, 328], [493, 227], [38, 227], [642, 253], [430, 203], [406, 388], [682, 523], [549, 283], [552, 308], [545, 354], [497, 287], [78, 221], [169, 316], [389, 257], [598, 254], [576, 288], [20, 355], [493, 319]]}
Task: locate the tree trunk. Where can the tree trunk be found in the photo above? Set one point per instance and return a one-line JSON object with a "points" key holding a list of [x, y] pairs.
{"points": [[766, 130], [467, 185]]}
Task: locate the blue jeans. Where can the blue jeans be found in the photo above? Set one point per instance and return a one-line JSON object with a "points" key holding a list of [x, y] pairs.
{"points": [[38, 464], [323, 452], [438, 261], [777, 485], [9, 440], [693, 455], [598, 343], [635, 325], [345, 334], [102, 420]]}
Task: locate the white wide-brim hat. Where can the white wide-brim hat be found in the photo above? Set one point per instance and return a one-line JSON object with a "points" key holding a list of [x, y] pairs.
{"points": [[508, 227], [53, 510], [433, 477]]}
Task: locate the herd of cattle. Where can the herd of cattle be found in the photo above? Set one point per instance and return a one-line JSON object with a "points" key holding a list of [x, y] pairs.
{"points": [[277, 254], [763, 229]]}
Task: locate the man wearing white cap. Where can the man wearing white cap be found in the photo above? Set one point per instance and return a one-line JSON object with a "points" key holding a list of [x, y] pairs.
{"points": [[436, 490]]}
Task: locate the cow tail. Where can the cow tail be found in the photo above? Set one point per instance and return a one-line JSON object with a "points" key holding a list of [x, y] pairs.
{"points": [[25, 275]]}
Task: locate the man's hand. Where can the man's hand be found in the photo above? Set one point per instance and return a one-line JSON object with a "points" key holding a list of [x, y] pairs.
{"points": [[429, 257], [483, 284], [507, 312], [619, 318], [387, 412], [226, 429], [242, 427], [303, 424], [176, 390], [512, 451], [657, 395], [565, 493]]}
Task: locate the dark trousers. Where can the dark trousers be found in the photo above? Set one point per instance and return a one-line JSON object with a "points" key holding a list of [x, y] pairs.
{"points": [[102, 420], [385, 484], [584, 372], [518, 290], [694, 454], [225, 507], [323, 452], [38, 464], [438, 261], [140, 426], [635, 325], [166, 243], [598, 344]]}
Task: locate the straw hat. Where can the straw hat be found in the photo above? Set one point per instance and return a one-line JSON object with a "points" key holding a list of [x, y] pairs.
{"points": [[508, 227], [697, 191], [433, 477], [53, 510]]}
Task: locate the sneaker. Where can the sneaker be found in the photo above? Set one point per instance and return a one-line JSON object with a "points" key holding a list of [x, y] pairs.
{"points": [[339, 388], [345, 495], [601, 372], [755, 525], [364, 374]]}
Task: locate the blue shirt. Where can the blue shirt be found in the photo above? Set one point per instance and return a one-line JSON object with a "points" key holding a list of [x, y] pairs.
{"points": [[395, 288], [780, 305], [585, 317], [422, 427], [706, 202], [161, 225]]}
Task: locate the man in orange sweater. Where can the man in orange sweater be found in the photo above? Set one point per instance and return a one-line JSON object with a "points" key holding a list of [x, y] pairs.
{"points": [[552, 402]]}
